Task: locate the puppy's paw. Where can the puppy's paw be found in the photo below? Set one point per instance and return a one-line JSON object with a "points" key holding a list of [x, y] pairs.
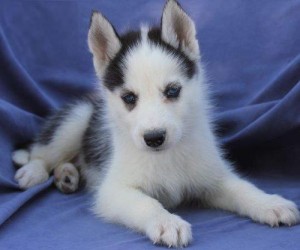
{"points": [[170, 230], [20, 157], [277, 210], [66, 178], [31, 174]]}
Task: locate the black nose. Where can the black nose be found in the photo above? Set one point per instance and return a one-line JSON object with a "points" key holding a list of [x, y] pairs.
{"points": [[155, 138]]}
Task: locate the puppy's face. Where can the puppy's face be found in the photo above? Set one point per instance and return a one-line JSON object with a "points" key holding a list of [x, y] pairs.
{"points": [[149, 77]]}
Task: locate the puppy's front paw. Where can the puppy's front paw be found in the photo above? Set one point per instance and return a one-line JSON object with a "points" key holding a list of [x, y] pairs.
{"points": [[276, 210], [31, 174], [170, 230]]}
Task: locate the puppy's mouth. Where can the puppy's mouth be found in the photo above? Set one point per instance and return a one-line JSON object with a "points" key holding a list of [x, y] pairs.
{"points": [[158, 149]]}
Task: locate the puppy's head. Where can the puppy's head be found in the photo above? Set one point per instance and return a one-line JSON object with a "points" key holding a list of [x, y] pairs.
{"points": [[149, 77]]}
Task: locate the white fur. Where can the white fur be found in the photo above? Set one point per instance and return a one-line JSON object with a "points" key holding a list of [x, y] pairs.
{"points": [[31, 174], [189, 166], [102, 41], [179, 29], [65, 146], [20, 157], [139, 185]]}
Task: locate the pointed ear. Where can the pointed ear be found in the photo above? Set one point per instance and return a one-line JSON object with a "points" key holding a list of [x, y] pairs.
{"points": [[103, 42], [178, 30]]}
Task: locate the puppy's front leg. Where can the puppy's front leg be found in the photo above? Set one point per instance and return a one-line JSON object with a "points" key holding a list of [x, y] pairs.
{"points": [[238, 195], [131, 207]]}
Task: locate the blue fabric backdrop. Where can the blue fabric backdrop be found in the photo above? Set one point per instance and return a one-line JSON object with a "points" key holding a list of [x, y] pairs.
{"points": [[252, 54]]}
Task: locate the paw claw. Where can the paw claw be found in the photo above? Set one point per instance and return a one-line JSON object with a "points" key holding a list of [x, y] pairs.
{"points": [[170, 230], [276, 211]]}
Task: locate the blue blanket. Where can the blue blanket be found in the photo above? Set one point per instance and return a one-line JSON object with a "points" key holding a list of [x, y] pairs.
{"points": [[251, 50]]}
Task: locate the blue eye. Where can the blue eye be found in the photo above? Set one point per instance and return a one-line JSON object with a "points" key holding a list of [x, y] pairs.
{"points": [[129, 98], [172, 92]]}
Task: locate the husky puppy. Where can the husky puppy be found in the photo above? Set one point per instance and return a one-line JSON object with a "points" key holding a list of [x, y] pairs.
{"points": [[144, 142]]}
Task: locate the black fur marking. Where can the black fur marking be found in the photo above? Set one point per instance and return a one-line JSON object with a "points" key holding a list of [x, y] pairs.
{"points": [[130, 102], [96, 140], [57, 118], [189, 67], [114, 76], [52, 124]]}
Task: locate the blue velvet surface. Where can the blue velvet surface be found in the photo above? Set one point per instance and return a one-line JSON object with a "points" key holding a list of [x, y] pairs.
{"points": [[251, 50]]}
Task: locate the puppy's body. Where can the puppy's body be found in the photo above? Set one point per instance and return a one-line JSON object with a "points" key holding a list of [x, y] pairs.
{"points": [[146, 142]]}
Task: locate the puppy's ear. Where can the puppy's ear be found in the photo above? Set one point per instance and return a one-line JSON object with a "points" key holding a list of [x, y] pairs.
{"points": [[178, 30], [103, 42]]}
